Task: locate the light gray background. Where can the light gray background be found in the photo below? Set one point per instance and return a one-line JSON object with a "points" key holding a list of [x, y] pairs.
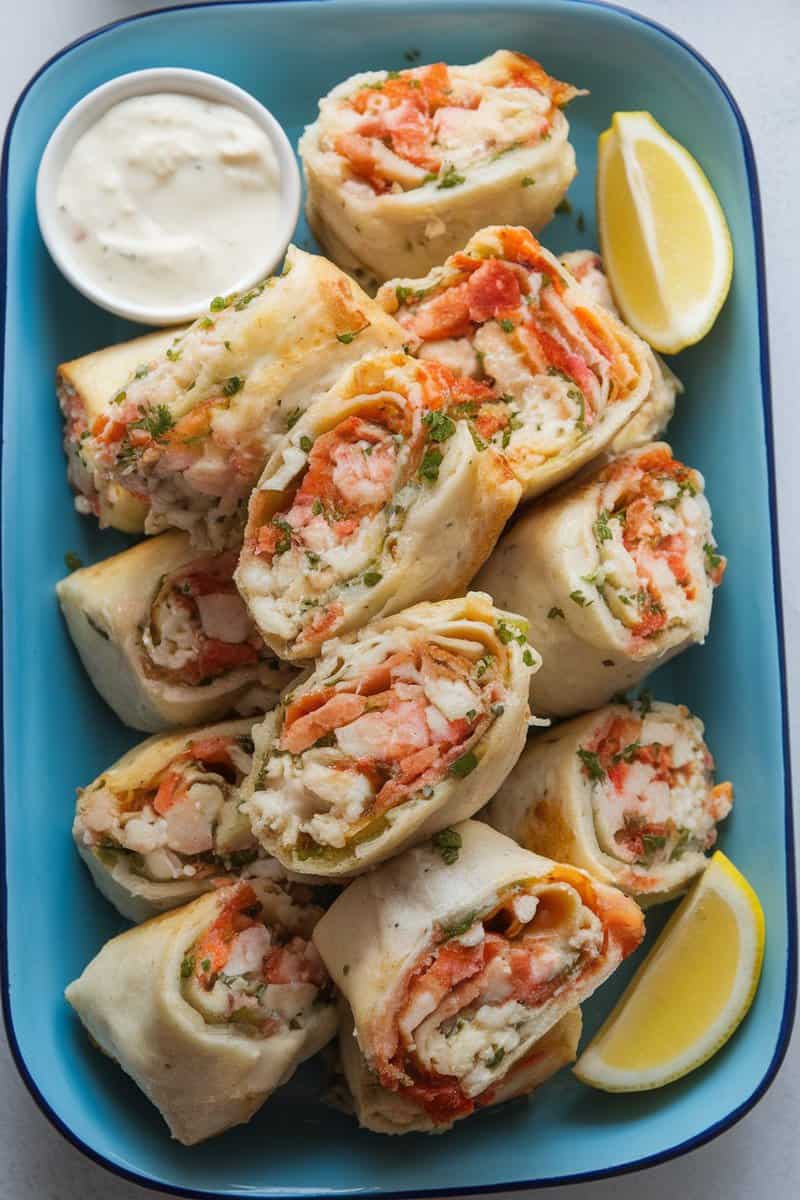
{"points": [[756, 48]]}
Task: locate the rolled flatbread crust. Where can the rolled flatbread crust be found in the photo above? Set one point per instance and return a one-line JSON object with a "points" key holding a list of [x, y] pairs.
{"points": [[380, 497], [402, 167], [615, 573], [165, 638], [627, 792], [190, 435], [398, 731], [148, 1004], [459, 955], [566, 373]]}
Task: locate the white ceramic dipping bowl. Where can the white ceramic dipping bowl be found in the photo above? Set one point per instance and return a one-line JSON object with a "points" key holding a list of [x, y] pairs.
{"points": [[141, 83]]}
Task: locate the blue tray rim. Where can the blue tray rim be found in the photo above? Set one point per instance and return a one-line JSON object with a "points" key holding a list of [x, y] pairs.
{"points": [[790, 995]]}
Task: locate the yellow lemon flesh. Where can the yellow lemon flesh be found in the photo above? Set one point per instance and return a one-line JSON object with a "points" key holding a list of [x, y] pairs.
{"points": [[663, 235], [689, 994]]}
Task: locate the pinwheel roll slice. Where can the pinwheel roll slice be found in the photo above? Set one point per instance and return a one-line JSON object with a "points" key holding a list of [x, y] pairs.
{"points": [[385, 1111], [211, 1007], [626, 792], [166, 638], [189, 435], [656, 412], [162, 825], [614, 572], [567, 374], [83, 387], [400, 730], [383, 495], [403, 166], [458, 956]]}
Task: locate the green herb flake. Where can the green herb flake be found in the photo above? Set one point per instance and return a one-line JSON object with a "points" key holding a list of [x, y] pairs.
{"points": [[645, 703], [402, 293], [217, 304], [528, 181], [464, 765], [440, 426], [372, 578], [578, 598], [72, 562], [284, 542], [317, 507], [507, 326], [227, 345], [527, 658], [312, 558], [173, 355], [206, 323], [448, 843], [450, 178], [306, 443], [554, 612], [206, 965], [347, 337], [496, 1058], [119, 397], [429, 467], [591, 764], [602, 532], [460, 927], [293, 417], [233, 385], [187, 966], [713, 560]]}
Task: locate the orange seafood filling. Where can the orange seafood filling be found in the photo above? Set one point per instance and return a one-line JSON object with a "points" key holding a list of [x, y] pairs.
{"points": [[653, 510], [414, 113], [518, 958], [199, 628]]}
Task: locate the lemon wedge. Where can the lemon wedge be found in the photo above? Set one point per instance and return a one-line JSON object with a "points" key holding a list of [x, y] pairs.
{"points": [[689, 994], [663, 235]]}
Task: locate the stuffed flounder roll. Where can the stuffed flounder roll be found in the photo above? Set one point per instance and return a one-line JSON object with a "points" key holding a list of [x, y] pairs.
{"points": [[166, 638], [189, 435], [399, 731], [503, 312], [83, 387], [211, 1007], [382, 495], [163, 825], [626, 792], [656, 412], [458, 956], [403, 166], [615, 573]]}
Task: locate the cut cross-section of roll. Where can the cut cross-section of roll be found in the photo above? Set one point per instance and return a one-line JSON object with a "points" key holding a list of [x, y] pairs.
{"points": [[189, 435], [385, 1111], [162, 825], [567, 374], [166, 638], [403, 166], [383, 495], [399, 731], [615, 574], [211, 1007], [626, 792], [457, 958], [656, 412]]}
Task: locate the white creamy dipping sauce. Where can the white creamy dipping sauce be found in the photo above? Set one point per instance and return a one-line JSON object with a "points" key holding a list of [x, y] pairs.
{"points": [[169, 200]]}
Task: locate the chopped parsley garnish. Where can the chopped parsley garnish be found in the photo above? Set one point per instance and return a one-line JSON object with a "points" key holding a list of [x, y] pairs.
{"points": [[403, 293], [347, 337], [313, 559], [578, 598], [507, 326], [458, 928], [187, 966], [482, 665], [506, 632], [157, 421], [713, 560], [173, 355], [450, 178], [554, 612], [233, 385], [591, 764], [142, 370], [206, 323], [317, 507], [372, 578], [293, 417], [306, 443], [464, 765], [448, 843], [206, 965], [412, 55], [477, 440], [680, 845], [645, 702], [652, 843], [627, 754], [440, 426], [496, 1058], [429, 467], [284, 542], [527, 657], [72, 562], [528, 181], [227, 345], [217, 304], [119, 397], [601, 531]]}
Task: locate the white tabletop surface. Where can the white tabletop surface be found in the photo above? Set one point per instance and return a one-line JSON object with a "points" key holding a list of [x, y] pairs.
{"points": [[756, 48]]}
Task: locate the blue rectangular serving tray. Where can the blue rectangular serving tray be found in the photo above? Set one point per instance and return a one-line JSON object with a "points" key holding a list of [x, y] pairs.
{"points": [[58, 733]]}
